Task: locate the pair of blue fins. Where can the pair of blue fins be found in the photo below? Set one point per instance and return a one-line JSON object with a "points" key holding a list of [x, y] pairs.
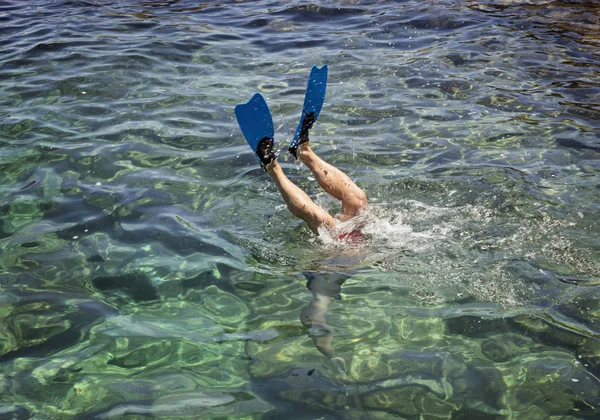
{"points": [[256, 122]]}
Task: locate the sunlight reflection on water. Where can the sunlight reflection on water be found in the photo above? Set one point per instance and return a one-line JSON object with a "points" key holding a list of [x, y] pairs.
{"points": [[149, 267]]}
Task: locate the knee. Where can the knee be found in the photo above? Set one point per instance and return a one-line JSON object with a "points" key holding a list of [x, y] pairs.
{"points": [[361, 200], [357, 201]]}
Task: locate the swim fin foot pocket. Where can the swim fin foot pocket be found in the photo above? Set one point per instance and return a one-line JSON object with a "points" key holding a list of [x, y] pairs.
{"points": [[307, 122], [266, 152], [313, 102]]}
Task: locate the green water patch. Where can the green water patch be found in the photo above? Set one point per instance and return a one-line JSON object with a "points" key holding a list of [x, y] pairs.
{"points": [[150, 268]]}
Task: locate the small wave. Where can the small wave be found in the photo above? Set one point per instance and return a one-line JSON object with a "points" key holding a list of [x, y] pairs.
{"points": [[456, 254]]}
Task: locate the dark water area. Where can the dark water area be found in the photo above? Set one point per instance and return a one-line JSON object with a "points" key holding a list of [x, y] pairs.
{"points": [[149, 267]]}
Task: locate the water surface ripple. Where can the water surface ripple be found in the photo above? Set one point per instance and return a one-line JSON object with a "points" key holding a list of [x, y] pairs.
{"points": [[148, 267]]}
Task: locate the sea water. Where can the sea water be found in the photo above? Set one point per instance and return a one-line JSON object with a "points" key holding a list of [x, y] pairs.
{"points": [[148, 266]]}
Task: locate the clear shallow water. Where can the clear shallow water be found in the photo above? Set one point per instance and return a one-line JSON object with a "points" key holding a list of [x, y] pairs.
{"points": [[149, 267]]}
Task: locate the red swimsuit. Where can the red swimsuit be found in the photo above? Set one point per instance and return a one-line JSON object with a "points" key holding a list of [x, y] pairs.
{"points": [[353, 236]]}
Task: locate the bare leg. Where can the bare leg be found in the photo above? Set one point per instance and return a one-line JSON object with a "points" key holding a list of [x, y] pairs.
{"points": [[313, 316], [334, 181], [298, 202]]}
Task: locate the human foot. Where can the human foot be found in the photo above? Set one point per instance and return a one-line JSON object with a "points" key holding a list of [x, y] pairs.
{"points": [[307, 124], [266, 152]]}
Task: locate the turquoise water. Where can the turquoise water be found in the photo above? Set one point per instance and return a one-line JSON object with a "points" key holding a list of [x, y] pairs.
{"points": [[149, 268]]}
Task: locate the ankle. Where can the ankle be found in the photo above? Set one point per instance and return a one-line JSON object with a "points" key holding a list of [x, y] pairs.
{"points": [[304, 151]]}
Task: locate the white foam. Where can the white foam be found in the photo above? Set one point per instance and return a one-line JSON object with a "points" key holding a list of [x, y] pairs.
{"points": [[429, 251]]}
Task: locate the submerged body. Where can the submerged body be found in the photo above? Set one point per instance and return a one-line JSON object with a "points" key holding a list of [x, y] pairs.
{"points": [[256, 123]]}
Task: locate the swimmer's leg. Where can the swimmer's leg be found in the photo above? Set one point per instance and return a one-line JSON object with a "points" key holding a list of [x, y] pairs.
{"points": [[324, 288], [313, 317], [298, 202], [334, 181]]}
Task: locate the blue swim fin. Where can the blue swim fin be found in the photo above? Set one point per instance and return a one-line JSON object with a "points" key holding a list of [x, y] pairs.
{"points": [[313, 102], [256, 123]]}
